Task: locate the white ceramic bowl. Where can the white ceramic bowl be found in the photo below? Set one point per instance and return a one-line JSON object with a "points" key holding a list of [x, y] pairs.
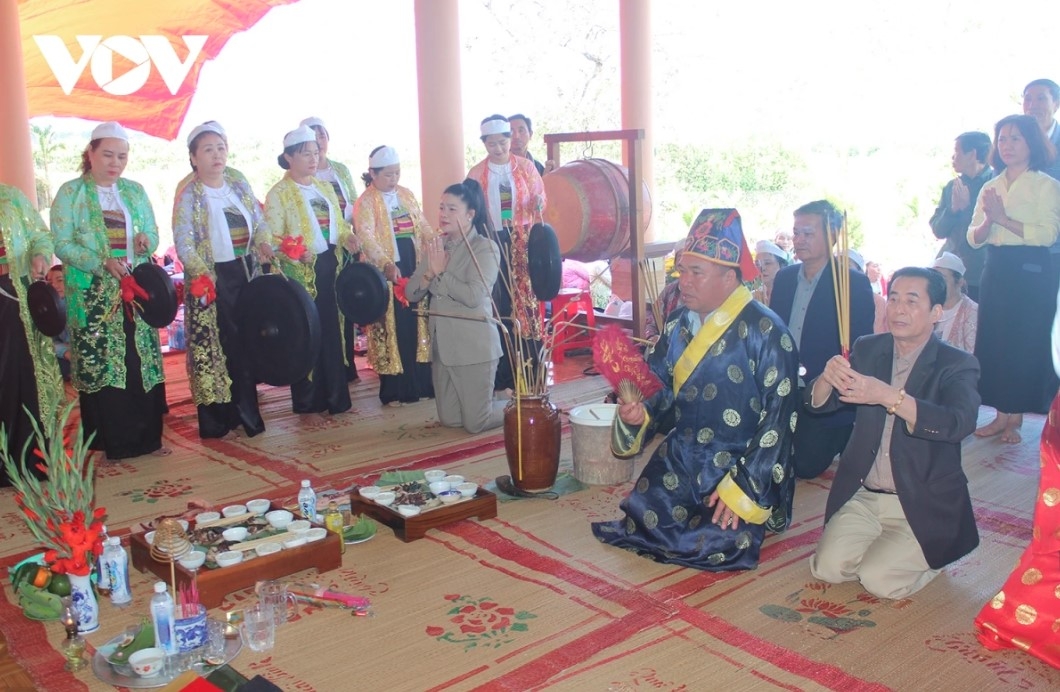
{"points": [[453, 480], [369, 491], [279, 518], [193, 560], [149, 662], [385, 498], [449, 496], [229, 558], [258, 507], [267, 549], [434, 475], [235, 534], [298, 527], [294, 542], [467, 489], [439, 487], [207, 517], [315, 534], [150, 537], [234, 510], [408, 510]]}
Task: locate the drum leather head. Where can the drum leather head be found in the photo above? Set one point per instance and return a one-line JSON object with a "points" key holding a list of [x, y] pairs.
{"points": [[160, 307], [279, 329], [362, 293], [46, 308], [545, 262]]}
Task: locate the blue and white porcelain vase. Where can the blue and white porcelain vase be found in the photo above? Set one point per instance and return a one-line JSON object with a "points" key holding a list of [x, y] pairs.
{"points": [[86, 607]]}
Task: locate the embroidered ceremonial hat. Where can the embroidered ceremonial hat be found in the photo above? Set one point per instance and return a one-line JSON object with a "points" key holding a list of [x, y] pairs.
{"points": [[717, 236], [208, 126], [948, 260], [110, 129], [302, 134], [383, 157], [496, 127], [770, 248]]}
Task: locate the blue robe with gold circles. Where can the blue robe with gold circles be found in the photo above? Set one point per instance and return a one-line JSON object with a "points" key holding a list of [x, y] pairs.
{"points": [[733, 400]]}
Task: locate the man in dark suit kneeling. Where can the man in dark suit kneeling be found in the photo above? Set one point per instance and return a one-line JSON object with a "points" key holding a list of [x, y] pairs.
{"points": [[899, 509]]}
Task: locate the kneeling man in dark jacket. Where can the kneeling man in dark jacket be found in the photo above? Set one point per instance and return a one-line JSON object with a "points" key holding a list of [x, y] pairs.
{"points": [[899, 509]]}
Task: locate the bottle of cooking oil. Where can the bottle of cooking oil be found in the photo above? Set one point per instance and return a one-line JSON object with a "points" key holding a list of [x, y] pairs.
{"points": [[333, 522]]}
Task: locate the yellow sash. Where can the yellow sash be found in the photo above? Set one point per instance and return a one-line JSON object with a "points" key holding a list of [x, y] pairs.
{"points": [[708, 334]]}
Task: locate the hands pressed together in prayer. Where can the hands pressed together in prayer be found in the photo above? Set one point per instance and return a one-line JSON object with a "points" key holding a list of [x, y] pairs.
{"points": [[960, 198], [437, 257], [994, 207], [855, 388]]}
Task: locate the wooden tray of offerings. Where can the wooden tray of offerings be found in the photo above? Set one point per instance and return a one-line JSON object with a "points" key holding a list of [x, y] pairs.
{"points": [[482, 505], [214, 584]]}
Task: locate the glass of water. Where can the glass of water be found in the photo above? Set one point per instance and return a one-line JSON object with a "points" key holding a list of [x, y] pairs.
{"points": [[259, 628]]}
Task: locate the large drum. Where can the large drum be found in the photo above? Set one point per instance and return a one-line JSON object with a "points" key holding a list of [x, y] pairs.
{"points": [[588, 206]]}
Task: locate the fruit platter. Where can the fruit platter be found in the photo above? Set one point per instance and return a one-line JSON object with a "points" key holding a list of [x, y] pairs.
{"points": [[232, 549], [39, 590], [412, 506]]}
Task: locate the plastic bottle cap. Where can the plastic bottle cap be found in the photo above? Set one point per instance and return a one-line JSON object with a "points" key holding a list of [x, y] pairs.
{"points": [[305, 484], [160, 587], [113, 540]]}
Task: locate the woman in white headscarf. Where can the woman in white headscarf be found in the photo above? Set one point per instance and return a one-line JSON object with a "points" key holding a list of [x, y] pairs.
{"points": [[515, 200], [103, 226], [220, 233], [392, 231], [305, 220]]}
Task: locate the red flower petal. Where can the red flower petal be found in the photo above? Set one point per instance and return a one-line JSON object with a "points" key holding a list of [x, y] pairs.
{"points": [[435, 631]]}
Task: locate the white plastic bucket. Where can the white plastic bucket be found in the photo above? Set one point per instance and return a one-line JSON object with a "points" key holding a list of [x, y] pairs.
{"points": [[591, 446]]}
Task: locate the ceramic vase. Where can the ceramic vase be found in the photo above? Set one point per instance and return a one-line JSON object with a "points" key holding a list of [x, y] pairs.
{"points": [[532, 442], [86, 607]]}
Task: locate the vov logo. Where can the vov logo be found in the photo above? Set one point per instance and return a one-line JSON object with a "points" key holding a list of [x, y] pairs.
{"points": [[142, 52]]}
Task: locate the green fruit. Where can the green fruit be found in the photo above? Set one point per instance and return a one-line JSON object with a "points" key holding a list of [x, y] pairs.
{"points": [[60, 585]]}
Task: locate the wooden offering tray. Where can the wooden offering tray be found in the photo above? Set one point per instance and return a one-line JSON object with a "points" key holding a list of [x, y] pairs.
{"points": [[215, 584], [482, 505]]}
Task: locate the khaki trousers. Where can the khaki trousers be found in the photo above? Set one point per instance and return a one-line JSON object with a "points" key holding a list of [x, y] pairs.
{"points": [[869, 539], [463, 395]]}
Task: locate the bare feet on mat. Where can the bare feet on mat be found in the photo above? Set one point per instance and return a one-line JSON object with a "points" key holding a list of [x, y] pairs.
{"points": [[996, 427], [395, 404], [1012, 430], [162, 452]]}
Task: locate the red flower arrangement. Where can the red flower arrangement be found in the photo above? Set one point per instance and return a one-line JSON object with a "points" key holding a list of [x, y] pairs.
{"points": [[400, 287], [60, 513], [293, 247], [203, 288]]}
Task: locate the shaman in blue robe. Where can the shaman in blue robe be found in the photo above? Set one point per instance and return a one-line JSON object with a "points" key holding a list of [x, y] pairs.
{"points": [[731, 390]]}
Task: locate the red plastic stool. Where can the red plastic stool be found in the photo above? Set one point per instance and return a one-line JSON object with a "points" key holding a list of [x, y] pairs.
{"points": [[568, 304]]}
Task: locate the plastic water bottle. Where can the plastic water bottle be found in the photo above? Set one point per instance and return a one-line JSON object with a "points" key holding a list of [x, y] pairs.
{"points": [[102, 576], [307, 502], [162, 618], [117, 568]]}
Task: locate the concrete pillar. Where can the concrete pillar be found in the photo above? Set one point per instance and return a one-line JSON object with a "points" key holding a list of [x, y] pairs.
{"points": [[441, 111], [634, 22], [16, 155]]}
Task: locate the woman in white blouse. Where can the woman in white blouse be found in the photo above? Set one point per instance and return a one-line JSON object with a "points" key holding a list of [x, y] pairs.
{"points": [[220, 235], [1017, 218]]}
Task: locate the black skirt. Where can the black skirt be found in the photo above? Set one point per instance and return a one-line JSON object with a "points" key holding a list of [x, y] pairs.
{"points": [[126, 422], [17, 382], [414, 382], [1017, 301], [326, 387]]}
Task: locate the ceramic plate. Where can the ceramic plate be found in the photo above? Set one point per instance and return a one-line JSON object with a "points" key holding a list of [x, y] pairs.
{"points": [[363, 530]]}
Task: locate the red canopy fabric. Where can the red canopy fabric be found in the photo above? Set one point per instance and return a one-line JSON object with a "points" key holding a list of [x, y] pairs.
{"points": [[133, 61]]}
